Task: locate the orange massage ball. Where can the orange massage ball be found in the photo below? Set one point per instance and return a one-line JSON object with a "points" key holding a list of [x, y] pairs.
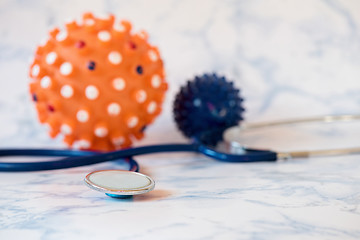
{"points": [[97, 84]]}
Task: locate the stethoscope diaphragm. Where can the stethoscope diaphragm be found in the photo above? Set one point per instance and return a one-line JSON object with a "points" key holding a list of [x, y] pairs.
{"points": [[119, 183]]}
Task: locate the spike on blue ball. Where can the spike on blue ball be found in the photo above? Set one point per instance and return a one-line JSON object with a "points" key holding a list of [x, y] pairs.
{"points": [[206, 106]]}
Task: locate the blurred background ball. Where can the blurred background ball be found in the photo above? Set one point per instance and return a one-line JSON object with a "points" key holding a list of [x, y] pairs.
{"points": [[206, 106], [97, 84]]}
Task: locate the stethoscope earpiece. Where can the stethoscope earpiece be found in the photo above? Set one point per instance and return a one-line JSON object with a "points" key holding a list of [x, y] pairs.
{"points": [[119, 183]]}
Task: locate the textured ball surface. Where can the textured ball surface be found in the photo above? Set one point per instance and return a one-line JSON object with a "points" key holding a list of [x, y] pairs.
{"points": [[206, 106], [97, 84]]}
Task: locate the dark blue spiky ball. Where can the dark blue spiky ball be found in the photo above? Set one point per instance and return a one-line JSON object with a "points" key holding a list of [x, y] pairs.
{"points": [[206, 106]]}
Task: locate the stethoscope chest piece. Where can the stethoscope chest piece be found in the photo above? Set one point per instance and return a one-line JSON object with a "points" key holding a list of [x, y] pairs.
{"points": [[119, 183]]}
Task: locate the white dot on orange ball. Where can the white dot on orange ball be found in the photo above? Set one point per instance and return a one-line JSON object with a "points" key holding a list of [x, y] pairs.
{"points": [[51, 58], [82, 116], [67, 91], [152, 55], [118, 141], [43, 41], [101, 131], [82, 144], [114, 57], [156, 81], [113, 109], [35, 70], [45, 82], [142, 34], [91, 92], [104, 36], [118, 84], [62, 35], [141, 96], [65, 129], [66, 68], [132, 122], [119, 27], [89, 22], [151, 107]]}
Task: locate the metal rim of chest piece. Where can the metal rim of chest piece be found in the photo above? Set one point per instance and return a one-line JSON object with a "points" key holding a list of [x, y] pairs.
{"points": [[119, 183]]}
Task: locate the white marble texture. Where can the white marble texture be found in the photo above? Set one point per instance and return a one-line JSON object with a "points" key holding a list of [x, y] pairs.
{"points": [[290, 58]]}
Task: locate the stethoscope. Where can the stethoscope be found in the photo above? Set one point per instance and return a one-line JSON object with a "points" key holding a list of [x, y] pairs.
{"points": [[125, 183]]}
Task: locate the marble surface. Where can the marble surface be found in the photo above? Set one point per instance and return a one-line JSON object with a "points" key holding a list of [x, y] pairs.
{"points": [[290, 58]]}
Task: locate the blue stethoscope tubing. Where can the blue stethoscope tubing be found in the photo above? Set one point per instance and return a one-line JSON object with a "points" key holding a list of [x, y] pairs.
{"points": [[75, 158]]}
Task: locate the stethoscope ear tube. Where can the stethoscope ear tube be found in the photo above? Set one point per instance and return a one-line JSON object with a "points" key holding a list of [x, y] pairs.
{"points": [[231, 134]]}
